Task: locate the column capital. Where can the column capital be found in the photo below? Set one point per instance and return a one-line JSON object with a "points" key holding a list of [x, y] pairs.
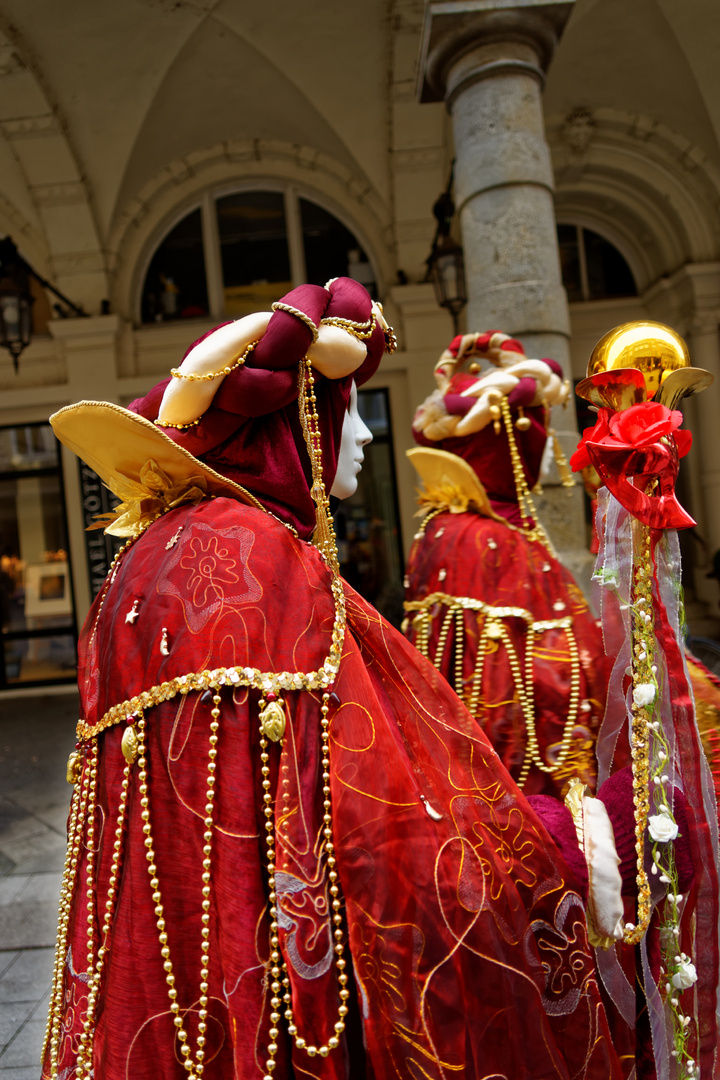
{"points": [[495, 37], [689, 298]]}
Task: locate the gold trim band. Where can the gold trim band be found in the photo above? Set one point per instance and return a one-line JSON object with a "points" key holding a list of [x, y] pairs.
{"points": [[289, 310]]}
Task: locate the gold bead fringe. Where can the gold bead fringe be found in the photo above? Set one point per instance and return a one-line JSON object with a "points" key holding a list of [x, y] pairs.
{"points": [[491, 631]]}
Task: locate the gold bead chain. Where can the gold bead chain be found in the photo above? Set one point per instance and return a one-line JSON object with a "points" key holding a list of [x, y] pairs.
{"points": [[642, 661], [179, 427], [78, 809], [192, 377], [361, 331], [279, 978], [90, 899], [531, 524], [482, 648], [443, 636], [194, 1068], [532, 750], [84, 1063], [459, 650], [324, 538]]}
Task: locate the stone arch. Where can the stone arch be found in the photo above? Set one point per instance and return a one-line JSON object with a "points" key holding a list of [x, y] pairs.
{"points": [[30, 241], [653, 195], [172, 192]]}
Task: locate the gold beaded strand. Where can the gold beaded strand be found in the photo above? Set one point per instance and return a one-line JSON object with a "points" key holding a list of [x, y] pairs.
{"points": [[78, 809], [84, 1058], [279, 977], [194, 1068], [643, 657], [531, 524], [324, 538], [192, 377], [85, 1047]]}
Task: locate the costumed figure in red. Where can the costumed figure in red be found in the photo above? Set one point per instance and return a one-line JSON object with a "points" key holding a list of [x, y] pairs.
{"points": [[487, 601], [292, 852], [637, 374]]}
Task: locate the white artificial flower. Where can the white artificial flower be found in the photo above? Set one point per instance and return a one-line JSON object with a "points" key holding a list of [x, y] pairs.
{"points": [[662, 827], [644, 694], [685, 975]]}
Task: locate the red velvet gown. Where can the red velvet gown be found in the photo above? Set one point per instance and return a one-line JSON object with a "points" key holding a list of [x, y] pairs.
{"points": [[465, 933]]}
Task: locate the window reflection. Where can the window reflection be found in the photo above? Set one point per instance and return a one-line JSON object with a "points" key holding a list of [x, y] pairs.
{"points": [[37, 615], [367, 524], [175, 284], [254, 250]]}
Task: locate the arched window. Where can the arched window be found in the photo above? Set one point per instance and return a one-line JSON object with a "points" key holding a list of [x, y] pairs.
{"points": [[592, 268], [239, 251]]}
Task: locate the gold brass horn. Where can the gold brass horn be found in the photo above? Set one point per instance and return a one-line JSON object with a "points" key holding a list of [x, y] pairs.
{"points": [[638, 353]]}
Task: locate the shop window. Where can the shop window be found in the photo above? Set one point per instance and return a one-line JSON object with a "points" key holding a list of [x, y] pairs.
{"points": [[367, 525], [37, 613], [238, 252], [592, 268]]}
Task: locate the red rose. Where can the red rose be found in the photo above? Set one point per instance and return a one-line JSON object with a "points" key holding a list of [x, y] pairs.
{"points": [[644, 424], [640, 425], [581, 459], [684, 442]]}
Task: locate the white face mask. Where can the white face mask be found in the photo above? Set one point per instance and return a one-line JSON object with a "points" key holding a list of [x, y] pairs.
{"points": [[355, 435]]}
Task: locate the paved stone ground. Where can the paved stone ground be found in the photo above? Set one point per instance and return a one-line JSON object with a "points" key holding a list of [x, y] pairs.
{"points": [[36, 735]]}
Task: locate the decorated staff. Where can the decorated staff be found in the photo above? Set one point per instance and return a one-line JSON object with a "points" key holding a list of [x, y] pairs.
{"points": [[637, 374]]}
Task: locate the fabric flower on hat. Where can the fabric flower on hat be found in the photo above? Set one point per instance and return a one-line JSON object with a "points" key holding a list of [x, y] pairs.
{"points": [[662, 827]]}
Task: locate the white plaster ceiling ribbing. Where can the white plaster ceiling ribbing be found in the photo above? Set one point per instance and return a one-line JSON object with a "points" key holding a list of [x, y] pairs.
{"points": [[65, 235]]}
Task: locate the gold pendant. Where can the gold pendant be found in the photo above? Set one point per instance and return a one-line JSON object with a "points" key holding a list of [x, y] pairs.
{"points": [[272, 719], [130, 745], [74, 767]]}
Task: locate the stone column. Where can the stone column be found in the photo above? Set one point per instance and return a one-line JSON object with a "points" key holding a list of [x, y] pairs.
{"points": [[487, 60], [689, 300]]}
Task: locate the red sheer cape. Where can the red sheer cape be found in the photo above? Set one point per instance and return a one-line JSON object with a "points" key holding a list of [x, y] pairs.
{"points": [[466, 935]]}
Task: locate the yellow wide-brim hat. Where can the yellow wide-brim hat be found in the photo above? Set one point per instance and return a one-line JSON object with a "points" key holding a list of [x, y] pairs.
{"points": [[117, 444]]}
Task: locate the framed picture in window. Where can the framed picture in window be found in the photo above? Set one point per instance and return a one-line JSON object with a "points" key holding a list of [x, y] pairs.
{"points": [[47, 589]]}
